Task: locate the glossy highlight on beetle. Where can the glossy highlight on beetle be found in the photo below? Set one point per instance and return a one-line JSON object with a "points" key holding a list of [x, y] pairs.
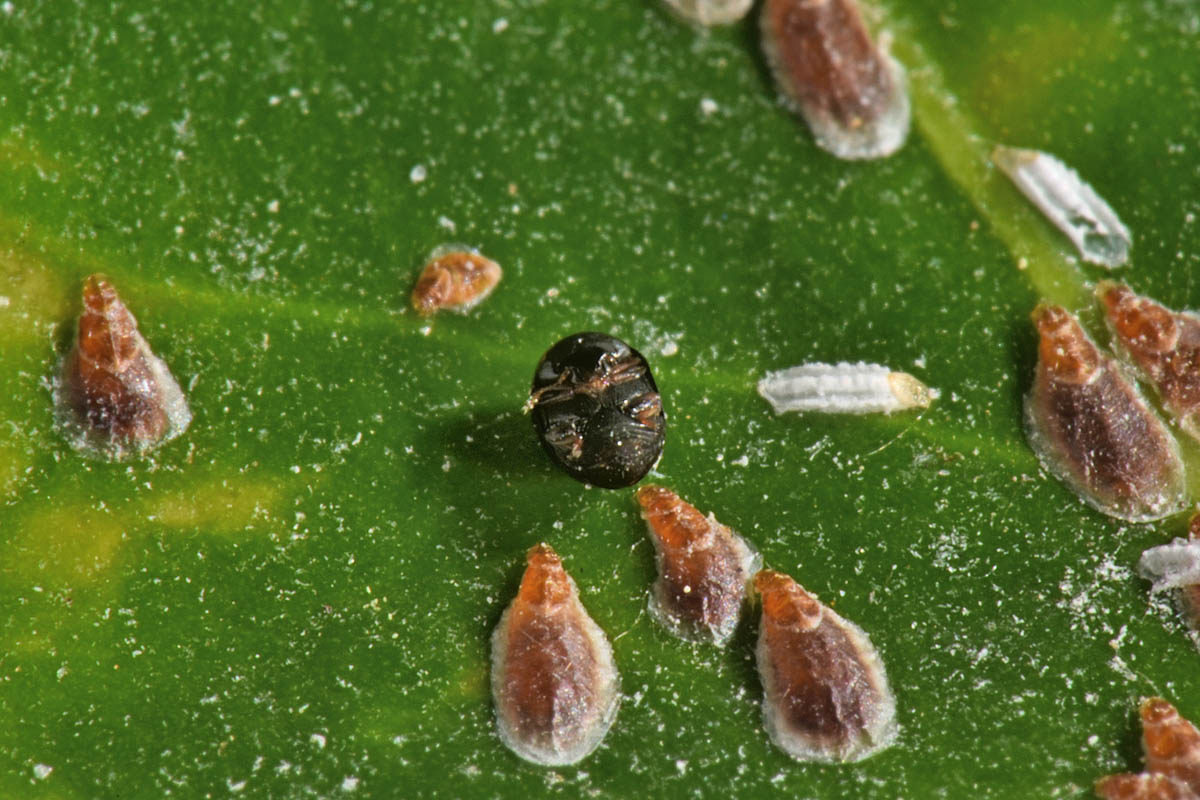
{"points": [[1172, 748], [849, 90], [1092, 429], [825, 693], [554, 682], [455, 278], [597, 411], [114, 397], [1163, 345], [703, 568]]}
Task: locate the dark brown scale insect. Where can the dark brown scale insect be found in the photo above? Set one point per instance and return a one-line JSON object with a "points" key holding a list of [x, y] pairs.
{"points": [[825, 692], [115, 395], [455, 278], [597, 411], [1163, 344], [1172, 747], [849, 90], [553, 678], [1090, 426], [703, 568]]}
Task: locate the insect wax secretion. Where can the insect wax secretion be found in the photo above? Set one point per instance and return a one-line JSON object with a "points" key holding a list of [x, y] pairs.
{"points": [[114, 397], [1071, 205], [850, 91], [711, 12], [1090, 427], [554, 682], [1163, 345], [1172, 748], [703, 568], [844, 389], [1176, 566], [597, 411], [825, 692], [456, 278]]}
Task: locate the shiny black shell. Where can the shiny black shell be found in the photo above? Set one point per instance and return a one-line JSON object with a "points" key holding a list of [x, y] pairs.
{"points": [[597, 411]]}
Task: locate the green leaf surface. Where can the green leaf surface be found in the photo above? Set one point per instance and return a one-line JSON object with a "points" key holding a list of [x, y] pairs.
{"points": [[294, 599]]}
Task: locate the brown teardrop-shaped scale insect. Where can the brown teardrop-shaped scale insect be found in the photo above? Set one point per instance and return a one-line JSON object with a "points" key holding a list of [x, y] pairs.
{"points": [[850, 91], [1163, 344], [1091, 428], [1172, 747], [114, 395], [1172, 743], [825, 692], [703, 568], [1143, 786], [553, 679], [457, 278]]}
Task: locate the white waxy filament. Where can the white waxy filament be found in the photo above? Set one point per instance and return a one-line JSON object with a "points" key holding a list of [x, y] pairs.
{"points": [[1071, 205]]}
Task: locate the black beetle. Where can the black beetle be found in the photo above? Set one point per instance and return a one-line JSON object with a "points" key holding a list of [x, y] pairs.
{"points": [[597, 411]]}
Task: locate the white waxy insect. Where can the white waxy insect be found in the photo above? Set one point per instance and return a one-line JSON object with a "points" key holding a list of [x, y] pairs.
{"points": [[711, 12], [844, 389], [1177, 566], [1069, 203], [1171, 566]]}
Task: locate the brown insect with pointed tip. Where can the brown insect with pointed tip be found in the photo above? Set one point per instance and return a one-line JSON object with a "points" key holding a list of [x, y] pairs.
{"points": [[703, 568], [1163, 344], [825, 692], [554, 682], [848, 89], [1090, 426], [1172, 746], [114, 394]]}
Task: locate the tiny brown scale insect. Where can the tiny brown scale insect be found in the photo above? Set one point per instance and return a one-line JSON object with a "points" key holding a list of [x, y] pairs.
{"points": [[1090, 426], [455, 278], [1172, 748], [1163, 344], [114, 395], [849, 90], [825, 692], [703, 568], [554, 682]]}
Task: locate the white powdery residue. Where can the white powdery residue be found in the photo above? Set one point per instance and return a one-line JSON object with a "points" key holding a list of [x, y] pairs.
{"points": [[708, 106], [42, 771], [418, 173], [500, 25], [318, 739], [447, 223], [273, 207], [669, 348], [844, 388], [349, 783], [4, 301]]}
